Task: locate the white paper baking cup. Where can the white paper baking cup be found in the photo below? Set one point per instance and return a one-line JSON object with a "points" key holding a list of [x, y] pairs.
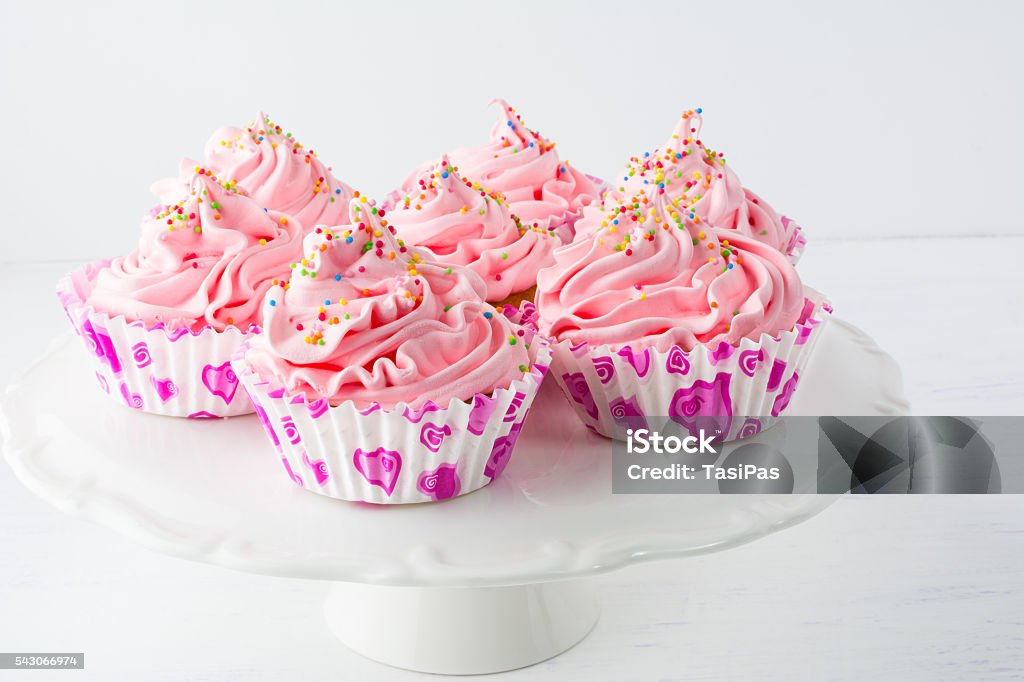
{"points": [[398, 455], [736, 390], [173, 372]]}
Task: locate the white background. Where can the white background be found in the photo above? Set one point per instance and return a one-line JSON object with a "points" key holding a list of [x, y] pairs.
{"points": [[859, 119], [891, 131]]}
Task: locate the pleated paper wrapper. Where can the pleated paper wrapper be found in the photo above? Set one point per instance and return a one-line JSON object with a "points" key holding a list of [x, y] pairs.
{"points": [[733, 391], [172, 372], [399, 455]]}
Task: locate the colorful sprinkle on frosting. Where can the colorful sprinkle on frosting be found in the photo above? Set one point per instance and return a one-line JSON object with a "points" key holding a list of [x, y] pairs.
{"points": [[367, 318], [277, 171], [456, 221]]}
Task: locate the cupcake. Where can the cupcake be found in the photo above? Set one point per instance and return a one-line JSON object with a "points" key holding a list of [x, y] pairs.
{"points": [[660, 313], [162, 322], [684, 169], [455, 221], [546, 193], [277, 171], [382, 377]]}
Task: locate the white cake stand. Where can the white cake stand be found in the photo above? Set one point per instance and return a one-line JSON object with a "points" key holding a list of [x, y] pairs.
{"points": [[491, 581]]}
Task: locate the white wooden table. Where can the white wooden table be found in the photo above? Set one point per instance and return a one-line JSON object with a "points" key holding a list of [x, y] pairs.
{"points": [[874, 588]]}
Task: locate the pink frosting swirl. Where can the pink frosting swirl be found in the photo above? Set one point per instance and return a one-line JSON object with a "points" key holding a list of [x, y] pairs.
{"points": [[659, 276], [456, 221], [206, 261], [277, 171], [523, 166], [364, 319], [687, 170]]}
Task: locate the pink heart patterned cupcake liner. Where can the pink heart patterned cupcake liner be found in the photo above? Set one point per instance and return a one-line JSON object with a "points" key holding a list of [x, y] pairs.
{"points": [[172, 372], [396, 455], [612, 390]]}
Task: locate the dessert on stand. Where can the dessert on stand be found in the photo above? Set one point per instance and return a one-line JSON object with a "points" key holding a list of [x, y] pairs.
{"points": [[489, 581]]}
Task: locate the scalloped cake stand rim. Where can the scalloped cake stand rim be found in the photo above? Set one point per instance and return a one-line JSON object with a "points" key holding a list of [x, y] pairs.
{"points": [[35, 461]]}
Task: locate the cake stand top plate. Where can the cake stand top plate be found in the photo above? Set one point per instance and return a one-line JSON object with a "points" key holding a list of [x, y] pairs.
{"points": [[214, 490]]}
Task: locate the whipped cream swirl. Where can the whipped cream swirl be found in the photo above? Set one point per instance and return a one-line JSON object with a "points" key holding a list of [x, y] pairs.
{"points": [[277, 171], [658, 275], [204, 261], [366, 319], [456, 221], [686, 170]]}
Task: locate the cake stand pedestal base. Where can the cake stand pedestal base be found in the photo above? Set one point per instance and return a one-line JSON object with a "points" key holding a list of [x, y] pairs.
{"points": [[462, 630]]}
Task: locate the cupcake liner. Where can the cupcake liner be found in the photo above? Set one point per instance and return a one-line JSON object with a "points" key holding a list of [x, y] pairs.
{"points": [[525, 315], [173, 372], [704, 388], [795, 248], [397, 455]]}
